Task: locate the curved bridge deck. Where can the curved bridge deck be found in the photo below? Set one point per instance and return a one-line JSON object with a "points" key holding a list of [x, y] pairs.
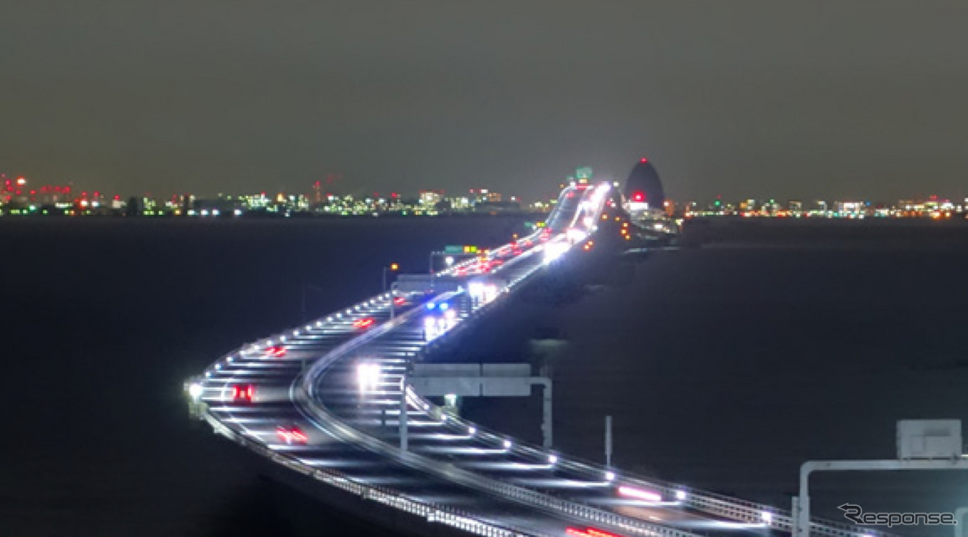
{"points": [[327, 400]]}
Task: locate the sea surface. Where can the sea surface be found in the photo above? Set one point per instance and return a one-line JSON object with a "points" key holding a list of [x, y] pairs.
{"points": [[724, 365]]}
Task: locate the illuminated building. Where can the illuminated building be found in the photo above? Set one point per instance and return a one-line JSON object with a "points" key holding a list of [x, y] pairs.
{"points": [[429, 198]]}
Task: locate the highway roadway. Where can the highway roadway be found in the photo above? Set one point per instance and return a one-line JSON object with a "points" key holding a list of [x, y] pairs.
{"points": [[329, 395]]}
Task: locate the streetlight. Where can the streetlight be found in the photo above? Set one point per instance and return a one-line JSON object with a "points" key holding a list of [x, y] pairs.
{"points": [[392, 268]]}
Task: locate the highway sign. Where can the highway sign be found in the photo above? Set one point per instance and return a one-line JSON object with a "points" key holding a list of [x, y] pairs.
{"points": [[460, 249]]}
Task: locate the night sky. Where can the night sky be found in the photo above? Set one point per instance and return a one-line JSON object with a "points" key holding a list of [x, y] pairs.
{"points": [[757, 98]]}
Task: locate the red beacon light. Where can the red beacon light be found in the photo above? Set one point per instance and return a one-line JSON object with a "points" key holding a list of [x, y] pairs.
{"points": [[638, 196]]}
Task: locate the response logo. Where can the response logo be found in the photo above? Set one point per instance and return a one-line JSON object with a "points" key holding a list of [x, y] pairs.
{"points": [[856, 514]]}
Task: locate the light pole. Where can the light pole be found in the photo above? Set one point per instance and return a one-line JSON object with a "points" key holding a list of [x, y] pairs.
{"points": [[392, 268], [402, 422], [393, 300], [608, 441]]}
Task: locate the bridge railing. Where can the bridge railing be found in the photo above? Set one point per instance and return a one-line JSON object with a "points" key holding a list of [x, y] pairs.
{"points": [[432, 512]]}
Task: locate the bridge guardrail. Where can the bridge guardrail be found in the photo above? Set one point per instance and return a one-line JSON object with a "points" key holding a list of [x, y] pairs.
{"points": [[430, 511]]}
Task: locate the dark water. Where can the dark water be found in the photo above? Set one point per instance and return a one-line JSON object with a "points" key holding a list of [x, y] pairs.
{"points": [[724, 367]]}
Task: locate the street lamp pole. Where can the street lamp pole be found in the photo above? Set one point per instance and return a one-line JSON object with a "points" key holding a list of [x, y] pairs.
{"points": [[404, 444], [608, 441], [393, 298], [392, 268]]}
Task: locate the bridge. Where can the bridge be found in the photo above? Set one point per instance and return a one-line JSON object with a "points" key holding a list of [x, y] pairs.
{"points": [[330, 405]]}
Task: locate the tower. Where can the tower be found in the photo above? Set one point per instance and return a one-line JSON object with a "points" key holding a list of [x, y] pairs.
{"points": [[644, 186]]}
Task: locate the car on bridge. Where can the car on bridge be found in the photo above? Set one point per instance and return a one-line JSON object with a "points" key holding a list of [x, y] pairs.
{"points": [[243, 393], [291, 434], [276, 351], [364, 323]]}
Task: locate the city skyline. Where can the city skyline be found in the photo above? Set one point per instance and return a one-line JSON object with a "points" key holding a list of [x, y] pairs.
{"points": [[744, 98], [19, 188], [20, 198]]}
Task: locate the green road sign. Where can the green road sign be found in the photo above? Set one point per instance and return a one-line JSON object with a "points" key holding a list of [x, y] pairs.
{"points": [[460, 249]]}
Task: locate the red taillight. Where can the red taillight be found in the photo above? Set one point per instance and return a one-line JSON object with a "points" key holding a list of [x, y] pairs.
{"points": [[290, 435], [276, 351], [399, 301], [363, 323], [242, 393], [599, 533], [589, 532]]}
